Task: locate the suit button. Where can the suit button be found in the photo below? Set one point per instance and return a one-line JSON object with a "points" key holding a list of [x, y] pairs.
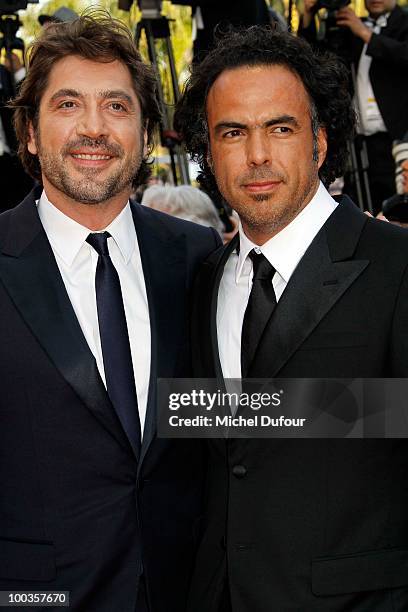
{"points": [[239, 471]]}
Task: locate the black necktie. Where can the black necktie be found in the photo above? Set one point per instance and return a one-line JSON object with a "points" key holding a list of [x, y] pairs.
{"points": [[117, 358], [261, 303]]}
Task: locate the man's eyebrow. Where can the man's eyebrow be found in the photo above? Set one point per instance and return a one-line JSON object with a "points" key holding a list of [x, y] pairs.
{"points": [[108, 94], [69, 93], [287, 119], [119, 94]]}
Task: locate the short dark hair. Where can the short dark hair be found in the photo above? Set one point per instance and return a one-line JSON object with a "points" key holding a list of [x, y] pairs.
{"points": [[94, 36], [324, 77]]}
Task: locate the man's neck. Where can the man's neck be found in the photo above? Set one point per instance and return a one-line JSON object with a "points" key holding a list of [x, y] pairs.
{"points": [[96, 216]]}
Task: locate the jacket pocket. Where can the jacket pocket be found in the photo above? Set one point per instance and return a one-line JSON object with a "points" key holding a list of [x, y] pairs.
{"points": [[21, 560], [368, 571]]}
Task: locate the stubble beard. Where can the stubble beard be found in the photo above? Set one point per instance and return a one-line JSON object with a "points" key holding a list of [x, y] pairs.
{"points": [[267, 216], [89, 189]]}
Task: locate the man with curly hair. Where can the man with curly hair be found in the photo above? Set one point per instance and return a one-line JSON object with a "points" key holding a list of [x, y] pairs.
{"points": [[310, 287], [94, 293]]}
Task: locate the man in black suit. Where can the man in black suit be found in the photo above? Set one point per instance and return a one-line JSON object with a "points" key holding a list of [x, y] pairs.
{"points": [[311, 287], [377, 48], [94, 295]]}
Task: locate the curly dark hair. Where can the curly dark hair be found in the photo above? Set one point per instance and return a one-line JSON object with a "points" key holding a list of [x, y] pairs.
{"points": [[95, 36], [324, 77]]}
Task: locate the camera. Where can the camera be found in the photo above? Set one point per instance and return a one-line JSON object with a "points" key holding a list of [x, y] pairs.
{"points": [[332, 5]]}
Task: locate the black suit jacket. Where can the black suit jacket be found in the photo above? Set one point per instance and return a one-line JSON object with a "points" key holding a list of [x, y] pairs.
{"points": [[77, 511], [307, 524]]}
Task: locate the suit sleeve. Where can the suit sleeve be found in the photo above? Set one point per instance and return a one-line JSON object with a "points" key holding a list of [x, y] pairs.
{"points": [[399, 338], [389, 50]]}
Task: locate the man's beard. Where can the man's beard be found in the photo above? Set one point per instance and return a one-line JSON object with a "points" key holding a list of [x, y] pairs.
{"points": [[88, 189], [269, 214]]}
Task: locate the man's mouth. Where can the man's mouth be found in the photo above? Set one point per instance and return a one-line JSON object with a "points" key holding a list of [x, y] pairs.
{"points": [[91, 159], [91, 156], [257, 186]]}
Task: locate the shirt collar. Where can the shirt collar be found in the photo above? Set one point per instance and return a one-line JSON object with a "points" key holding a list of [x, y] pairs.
{"points": [[67, 236], [380, 21], [285, 249]]}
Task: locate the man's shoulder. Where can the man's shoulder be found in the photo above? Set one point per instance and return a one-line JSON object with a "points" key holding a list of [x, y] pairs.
{"points": [[385, 243], [398, 19], [23, 218], [370, 234], [388, 233]]}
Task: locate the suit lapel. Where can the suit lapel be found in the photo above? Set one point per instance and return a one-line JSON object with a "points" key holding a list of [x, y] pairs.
{"points": [[164, 258], [324, 273], [216, 265], [31, 277]]}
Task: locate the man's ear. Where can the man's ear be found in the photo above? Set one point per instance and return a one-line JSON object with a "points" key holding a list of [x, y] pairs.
{"points": [[321, 145], [31, 143]]}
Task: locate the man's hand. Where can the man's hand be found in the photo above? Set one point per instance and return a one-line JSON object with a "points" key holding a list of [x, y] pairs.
{"points": [[346, 17], [15, 64], [405, 175], [309, 9]]}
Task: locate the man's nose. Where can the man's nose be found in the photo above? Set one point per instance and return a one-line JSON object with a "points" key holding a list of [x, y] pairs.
{"points": [[258, 148], [92, 122]]}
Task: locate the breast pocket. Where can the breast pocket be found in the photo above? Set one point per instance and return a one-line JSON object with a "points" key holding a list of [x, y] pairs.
{"points": [[365, 571]]}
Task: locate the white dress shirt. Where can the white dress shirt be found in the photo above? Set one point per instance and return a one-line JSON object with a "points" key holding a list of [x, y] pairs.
{"points": [[283, 251], [77, 262], [369, 116]]}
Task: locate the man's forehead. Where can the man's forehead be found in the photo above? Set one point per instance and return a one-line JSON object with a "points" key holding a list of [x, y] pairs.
{"points": [[89, 76], [249, 90]]}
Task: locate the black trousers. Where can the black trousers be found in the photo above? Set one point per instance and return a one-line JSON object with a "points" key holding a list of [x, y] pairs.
{"points": [[381, 170]]}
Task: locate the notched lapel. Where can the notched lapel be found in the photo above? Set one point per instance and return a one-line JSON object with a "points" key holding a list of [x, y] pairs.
{"points": [[317, 284], [218, 270], [164, 264], [32, 279]]}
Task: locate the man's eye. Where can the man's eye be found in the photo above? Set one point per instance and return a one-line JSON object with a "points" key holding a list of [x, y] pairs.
{"points": [[282, 129], [232, 134], [67, 104], [117, 106]]}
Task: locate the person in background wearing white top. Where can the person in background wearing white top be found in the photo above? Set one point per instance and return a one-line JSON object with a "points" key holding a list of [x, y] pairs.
{"points": [[94, 295], [378, 49], [310, 288]]}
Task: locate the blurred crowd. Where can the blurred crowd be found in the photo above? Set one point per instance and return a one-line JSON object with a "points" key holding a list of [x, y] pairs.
{"points": [[375, 49]]}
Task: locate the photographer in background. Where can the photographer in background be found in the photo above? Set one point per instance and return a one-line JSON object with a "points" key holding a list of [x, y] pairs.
{"points": [[378, 49], [209, 13]]}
